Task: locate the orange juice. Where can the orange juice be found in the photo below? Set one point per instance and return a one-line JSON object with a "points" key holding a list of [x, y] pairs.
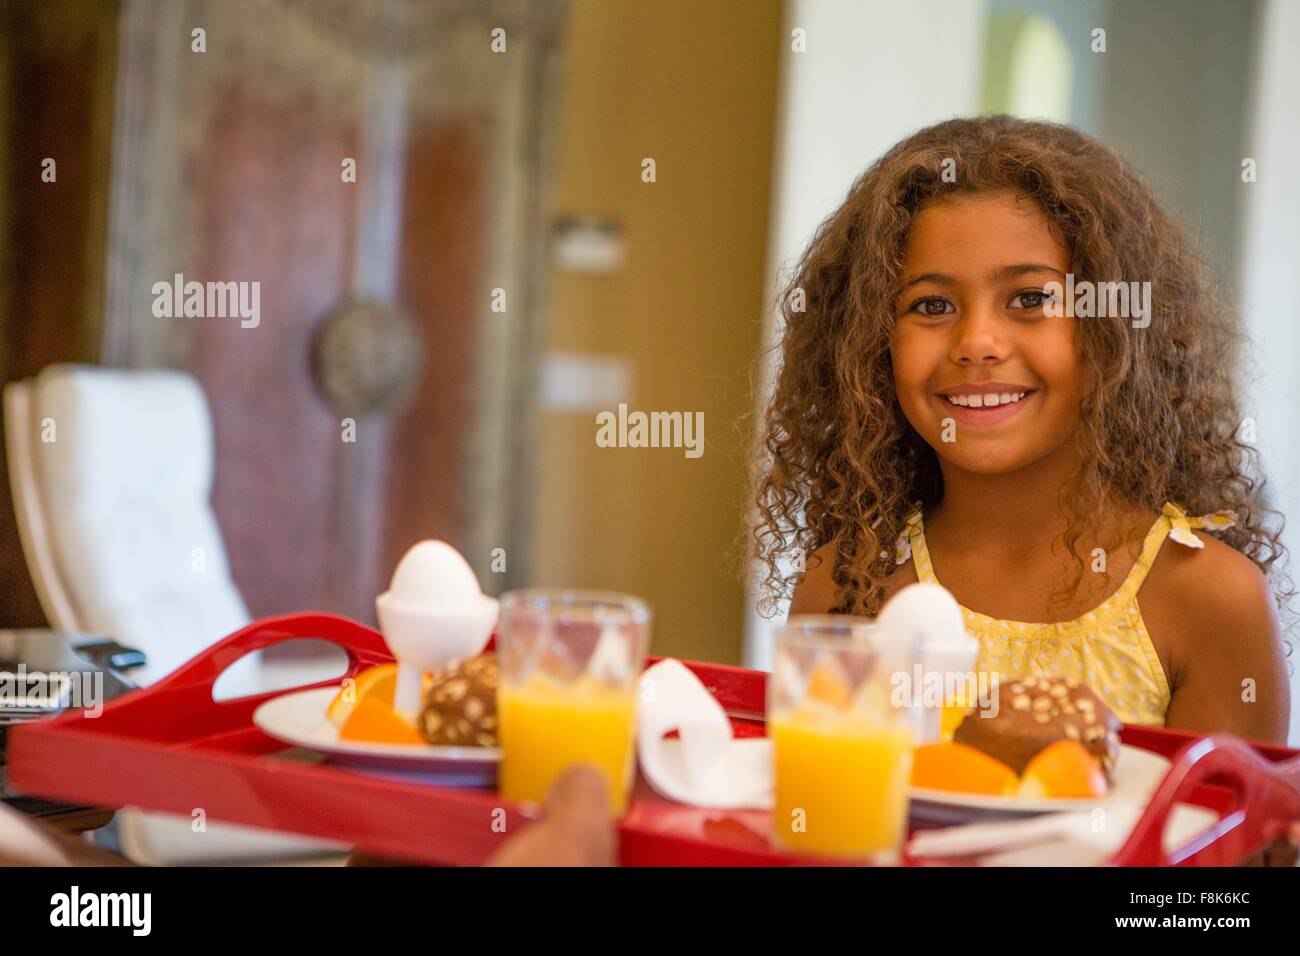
{"points": [[954, 711], [548, 725], [841, 782]]}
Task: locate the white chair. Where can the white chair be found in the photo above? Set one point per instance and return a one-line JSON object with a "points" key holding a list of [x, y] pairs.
{"points": [[111, 473]]}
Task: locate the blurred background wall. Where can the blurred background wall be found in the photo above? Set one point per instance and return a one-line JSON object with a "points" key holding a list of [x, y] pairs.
{"points": [[1269, 251], [692, 86]]}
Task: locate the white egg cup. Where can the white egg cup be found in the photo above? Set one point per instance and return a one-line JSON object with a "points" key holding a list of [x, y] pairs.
{"points": [[424, 639], [929, 616]]}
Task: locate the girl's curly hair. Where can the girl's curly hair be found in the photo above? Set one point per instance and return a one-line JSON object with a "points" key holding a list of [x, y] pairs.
{"points": [[840, 465]]}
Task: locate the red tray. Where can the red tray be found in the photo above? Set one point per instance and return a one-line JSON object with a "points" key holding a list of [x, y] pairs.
{"points": [[171, 747]]}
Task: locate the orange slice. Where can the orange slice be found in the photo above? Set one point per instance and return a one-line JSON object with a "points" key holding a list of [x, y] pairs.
{"points": [[826, 687], [1063, 769], [374, 721], [378, 682], [959, 767]]}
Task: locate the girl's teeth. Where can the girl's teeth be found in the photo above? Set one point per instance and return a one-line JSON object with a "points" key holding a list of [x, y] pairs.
{"points": [[985, 401]]}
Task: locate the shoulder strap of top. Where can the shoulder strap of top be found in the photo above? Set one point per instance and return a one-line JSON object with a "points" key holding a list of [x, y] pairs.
{"points": [[912, 545], [1175, 524], [1150, 548]]}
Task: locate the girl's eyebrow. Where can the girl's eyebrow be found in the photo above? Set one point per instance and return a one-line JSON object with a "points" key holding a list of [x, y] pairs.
{"points": [[938, 278], [1010, 272], [1006, 272]]}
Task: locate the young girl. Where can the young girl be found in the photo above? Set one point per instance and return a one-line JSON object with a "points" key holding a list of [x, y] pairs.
{"points": [[959, 402]]}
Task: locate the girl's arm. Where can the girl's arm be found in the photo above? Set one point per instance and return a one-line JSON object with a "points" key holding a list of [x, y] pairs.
{"points": [[1212, 614]]}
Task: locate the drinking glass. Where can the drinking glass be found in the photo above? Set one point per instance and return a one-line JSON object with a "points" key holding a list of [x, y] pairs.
{"points": [[842, 747], [570, 662]]}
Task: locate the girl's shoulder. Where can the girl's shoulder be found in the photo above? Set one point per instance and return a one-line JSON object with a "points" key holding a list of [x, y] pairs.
{"points": [[1207, 588], [1192, 572], [1211, 614]]}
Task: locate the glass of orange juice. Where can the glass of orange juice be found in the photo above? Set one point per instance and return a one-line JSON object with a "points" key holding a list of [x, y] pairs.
{"points": [[570, 661], [842, 749]]}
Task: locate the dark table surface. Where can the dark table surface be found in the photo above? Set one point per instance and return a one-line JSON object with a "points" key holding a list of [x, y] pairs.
{"points": [[83, 659]]}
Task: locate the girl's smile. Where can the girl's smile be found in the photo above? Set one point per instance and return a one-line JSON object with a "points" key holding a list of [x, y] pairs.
{"points": [[985, 403]]}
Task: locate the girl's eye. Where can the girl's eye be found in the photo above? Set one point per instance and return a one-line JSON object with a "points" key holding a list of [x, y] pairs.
{"points": [[932, 305], [1030, 300]]}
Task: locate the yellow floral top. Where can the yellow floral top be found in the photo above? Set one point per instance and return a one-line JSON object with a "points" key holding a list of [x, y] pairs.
{"points": [[1108, 648]]}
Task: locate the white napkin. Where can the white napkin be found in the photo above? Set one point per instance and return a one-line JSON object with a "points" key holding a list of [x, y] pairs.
{"points": [[705, 766], [1072, 838]]}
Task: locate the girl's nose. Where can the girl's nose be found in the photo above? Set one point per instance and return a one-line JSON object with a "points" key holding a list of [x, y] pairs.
{"points": [[979, 338]]}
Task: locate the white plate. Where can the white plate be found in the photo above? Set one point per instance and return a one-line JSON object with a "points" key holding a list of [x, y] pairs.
{"points": [[1137, 774], [299, 719]]}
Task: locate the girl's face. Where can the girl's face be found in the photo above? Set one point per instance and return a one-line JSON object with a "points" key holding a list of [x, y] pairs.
{"points": [[989, 380]]}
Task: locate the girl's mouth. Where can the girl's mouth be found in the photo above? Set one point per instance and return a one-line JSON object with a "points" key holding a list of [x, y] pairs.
{"points": [[986, 407]]}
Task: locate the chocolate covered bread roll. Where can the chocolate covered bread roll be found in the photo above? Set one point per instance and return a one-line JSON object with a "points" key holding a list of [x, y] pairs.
{"points": [[460, 707], [1036, 711]]}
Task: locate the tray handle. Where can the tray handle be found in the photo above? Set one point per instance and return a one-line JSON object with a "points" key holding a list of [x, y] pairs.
{"points": [[364, 646], [1266, 797]]}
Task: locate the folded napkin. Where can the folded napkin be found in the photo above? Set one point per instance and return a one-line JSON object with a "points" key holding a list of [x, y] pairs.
{"points": [[1072, 838], [704, 765]]}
